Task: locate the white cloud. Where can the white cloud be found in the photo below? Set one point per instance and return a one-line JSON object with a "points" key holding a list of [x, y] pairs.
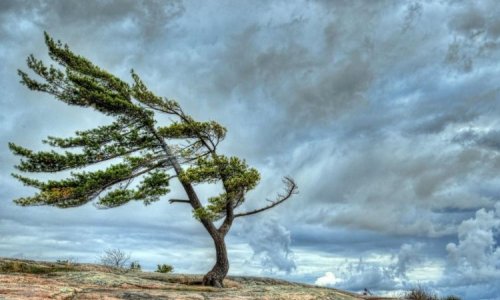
{"points": [[328, 279], [476, 256], [377, 273]]}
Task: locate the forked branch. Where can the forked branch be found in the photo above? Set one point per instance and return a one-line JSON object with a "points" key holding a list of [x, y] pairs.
{"points": [[291, 189]]}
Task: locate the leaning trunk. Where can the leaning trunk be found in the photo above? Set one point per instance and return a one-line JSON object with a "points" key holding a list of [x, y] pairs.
{"points": [[216, 276]]}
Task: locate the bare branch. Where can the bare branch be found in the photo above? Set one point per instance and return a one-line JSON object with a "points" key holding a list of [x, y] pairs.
{"points": [[291, 189], [178, 201]]}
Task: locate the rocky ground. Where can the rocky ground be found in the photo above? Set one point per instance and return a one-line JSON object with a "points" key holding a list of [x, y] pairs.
{"points": [[23, 279]]}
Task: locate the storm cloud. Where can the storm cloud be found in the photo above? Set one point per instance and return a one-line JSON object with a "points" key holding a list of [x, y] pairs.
{"points": [[384, 112]]}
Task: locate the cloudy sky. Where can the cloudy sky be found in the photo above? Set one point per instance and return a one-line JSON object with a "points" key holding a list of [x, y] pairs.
{"points": [[386, 113]]}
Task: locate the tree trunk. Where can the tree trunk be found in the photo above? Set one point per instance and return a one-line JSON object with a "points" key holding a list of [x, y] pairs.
{"points": [[216, 276]]}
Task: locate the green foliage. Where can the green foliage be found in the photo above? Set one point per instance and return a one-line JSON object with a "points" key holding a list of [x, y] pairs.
{"points": [[192, 129], [83, 187], [123, 133], [46, 161], [133, 143], [148, 98], [233, 171], [235, 175], [82, 83], [149, 190], [164, 268]]}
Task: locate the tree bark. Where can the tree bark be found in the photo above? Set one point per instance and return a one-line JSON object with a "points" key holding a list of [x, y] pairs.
{"points": [[219, 271]]}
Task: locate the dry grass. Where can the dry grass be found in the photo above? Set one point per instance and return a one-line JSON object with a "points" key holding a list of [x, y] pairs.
{"points": [[29, 267]]}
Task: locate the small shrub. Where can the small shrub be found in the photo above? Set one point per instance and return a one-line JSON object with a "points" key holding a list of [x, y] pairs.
{"points": [[63, 261], [135, 266], [69, 261], [164, 268], [420, 293]]}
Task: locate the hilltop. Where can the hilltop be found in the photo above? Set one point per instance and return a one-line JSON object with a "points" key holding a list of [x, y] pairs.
{"points": [[27, 279]]}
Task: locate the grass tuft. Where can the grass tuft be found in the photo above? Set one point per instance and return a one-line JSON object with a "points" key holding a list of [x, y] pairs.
{"points": [[14, 266]]}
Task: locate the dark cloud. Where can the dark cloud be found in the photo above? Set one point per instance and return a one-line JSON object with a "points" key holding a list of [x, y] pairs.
{"points": [[489, 139], [151, 18], [384, 112], [413, 13], [271, 245], [475, 34]]}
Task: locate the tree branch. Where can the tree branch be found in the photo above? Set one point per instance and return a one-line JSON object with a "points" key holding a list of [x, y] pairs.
{"points": [[228, 221], [188, 188], [183, 117], [178, 201], [291, 189], [94, 194]]}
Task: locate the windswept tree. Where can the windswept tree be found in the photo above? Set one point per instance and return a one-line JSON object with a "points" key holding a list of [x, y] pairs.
{"points": [[138, 148]]}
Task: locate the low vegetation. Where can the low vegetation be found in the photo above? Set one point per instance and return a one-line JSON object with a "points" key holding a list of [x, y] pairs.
{"points": [[421, 293], [164, 269], [30, 267], [135, 266]]}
